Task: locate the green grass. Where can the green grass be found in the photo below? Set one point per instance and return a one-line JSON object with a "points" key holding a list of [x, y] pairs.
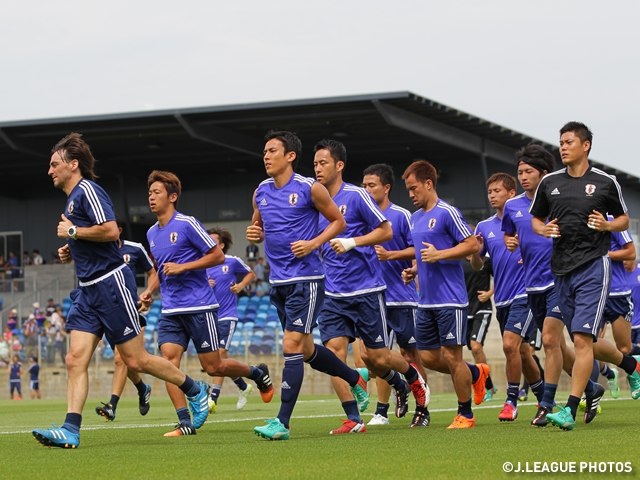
{"points": [[225, 447]]}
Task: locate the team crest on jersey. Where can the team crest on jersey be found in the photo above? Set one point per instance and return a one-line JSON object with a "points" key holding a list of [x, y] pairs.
{"points": [[293, 199], [432, 222], [70, 207], [343, 209], [126, 257], [590, 188], [225, 269], [173, 237]]}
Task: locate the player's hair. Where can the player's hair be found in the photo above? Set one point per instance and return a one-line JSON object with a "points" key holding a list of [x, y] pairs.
{"points": [[290, 142], [72, 147], [507, 180], [224, 235], [383, 171], [581, 131], [337, 150], [423, 171], [170, 180], [537, 156], [119, 222]]}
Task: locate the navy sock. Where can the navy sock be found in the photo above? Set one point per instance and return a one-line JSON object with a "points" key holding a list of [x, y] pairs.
{"points": [[255, 373], [190, 387], [114, 401], [572, 403], [215, 392], [141, 387], [351, 410], [595, 371], [488, 384], [411, 375], [292, 376], [513, 388], [590, 389], [72, 422], [549, 394], [183, 415], [241, 384], [395, 380], [538, 389], [475, 372], [628, 364], [382, 409], [607, 372], [464, 409], [325, 361], [635, 350]]}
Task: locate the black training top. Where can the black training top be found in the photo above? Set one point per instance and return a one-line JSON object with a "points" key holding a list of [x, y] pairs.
{"points": [[571, 200], [477, 280]]}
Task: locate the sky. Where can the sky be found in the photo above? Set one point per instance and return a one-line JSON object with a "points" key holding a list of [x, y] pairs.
{"points": [[530, 66]]}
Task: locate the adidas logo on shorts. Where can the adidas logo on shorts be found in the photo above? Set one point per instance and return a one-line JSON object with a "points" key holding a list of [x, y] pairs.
{"points": [[285, 386], [412, 340], [127, 331], [450, 336], [205, 344], [518, 326], [556, 309], [298, 322], [586, 325], [379, 339]]}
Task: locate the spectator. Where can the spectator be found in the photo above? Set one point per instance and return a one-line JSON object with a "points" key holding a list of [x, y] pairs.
{"points": [[26, 259], [13, 319], [7, 334], [14, 266], [51, 333], [262, 288], [15, 372], [4, 351], [16, 346], [258, 268], [252, 254], [37, 258], [58, 321], [51, 307], [31, 336], [3, 274]]}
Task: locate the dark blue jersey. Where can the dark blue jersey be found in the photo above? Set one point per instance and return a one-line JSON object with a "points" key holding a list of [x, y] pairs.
{"points": [[136, 257], [225, 275], [34, 371]]}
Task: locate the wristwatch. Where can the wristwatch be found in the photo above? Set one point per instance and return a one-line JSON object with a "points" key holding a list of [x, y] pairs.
{"points": [[72, 231]]}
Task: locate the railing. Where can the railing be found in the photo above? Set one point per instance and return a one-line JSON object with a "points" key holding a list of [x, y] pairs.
{"points": [[23, 301]]}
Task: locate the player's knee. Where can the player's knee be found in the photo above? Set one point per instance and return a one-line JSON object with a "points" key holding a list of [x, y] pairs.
{"points": [[476, 348], [625, 349]]}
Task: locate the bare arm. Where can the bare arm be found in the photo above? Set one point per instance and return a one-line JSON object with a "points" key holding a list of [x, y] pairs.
{"points": [[382, 233], [467, 247], [246, 280], [598, 222], [210, 259], [105, 232], [408, 253], [477, 262], [255, 232], [627, 252]]}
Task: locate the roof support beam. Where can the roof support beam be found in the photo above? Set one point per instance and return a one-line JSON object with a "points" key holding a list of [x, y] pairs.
{"points": [[18, 146], [222, 137], [440, 132]]}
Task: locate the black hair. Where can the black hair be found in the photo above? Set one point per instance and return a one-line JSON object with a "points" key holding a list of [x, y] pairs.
{"points": [[224, 235], [290, 142], [537, 156], [72, 147], [581, 131], [382, 170], [337, 150]]}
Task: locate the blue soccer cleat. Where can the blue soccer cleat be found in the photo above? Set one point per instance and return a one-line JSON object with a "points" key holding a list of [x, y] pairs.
{"points": [[360, 390], [199, 405], [57, 437], [273, 430], [562, 419]]}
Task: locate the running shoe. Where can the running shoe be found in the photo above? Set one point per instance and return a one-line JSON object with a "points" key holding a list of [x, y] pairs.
{"points": [[490, 393], [462, 422], [634, 380], [57, 437], [360, 390], [582, 406], [479, 390], [614, 387], [243, 396], [349, 426], [509, 413], [540, 420], [107, 411], [213, 406], [264, 384], [199, 405], [378, 420], [421, 418], [181, 429], [402, 401], [562, 419], [593, 404], [420, 390], [143, 401], [273, 430], [523, 395]]}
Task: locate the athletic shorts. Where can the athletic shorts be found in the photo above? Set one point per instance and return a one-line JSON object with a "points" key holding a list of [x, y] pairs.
{"points": [[226, 329], [635, 336], [199, 327], [13, 386], [543, 305], [536, 339], [582, 294], [107, 306], [401, 325], [617, 307], [360, 316], [477, 327], [516, 318], [34, 384], [441, 328], [298, 305]]}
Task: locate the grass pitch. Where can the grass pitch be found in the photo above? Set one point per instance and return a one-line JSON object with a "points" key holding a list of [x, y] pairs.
{"points": [[225, 447]]}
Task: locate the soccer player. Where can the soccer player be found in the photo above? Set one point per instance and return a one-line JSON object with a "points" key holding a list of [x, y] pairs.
{"points": [[223, 280], [286, 208], [34, 382], [136, 257], [183, 251], [576, 200], [512, 310], [105, 302], [15, 372], [395, 255], [444, 238], [633, 277]]}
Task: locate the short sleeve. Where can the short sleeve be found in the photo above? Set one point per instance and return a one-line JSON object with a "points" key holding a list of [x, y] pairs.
{"points": [[96, 204], [369, 210], [198, 236], [615, 202], [456, 225], [239, 267], [540, 204], [508, 226], [483, 251]]}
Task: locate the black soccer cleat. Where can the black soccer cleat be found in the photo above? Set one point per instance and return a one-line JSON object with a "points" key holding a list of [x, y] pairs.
{"points": [[421, 418], [402, 400], [540, 420], [143, 401], [593, 402]]}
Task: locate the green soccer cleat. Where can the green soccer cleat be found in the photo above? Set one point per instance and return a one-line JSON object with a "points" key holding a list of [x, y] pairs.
{"points": [[360, 390], [582, 406], [273, 430], [490, 393], [614, 387], [634, 380], [562, 419]]}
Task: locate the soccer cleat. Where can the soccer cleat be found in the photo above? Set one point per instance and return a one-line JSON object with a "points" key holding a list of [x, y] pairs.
{"points": [[523, 395], [349, 426], [273, 430], [420, 390], [57, 437], [360, 390], [402, 401], [562, 419], [181, 429], [509, 413], [143, 401], [378, 420], [106, 411], [243, 396], [582, 406], [264, 384], [634, 380], [540, 420], [421, 418], [462, 422], [199, 405], [479, 390], [593, 404], [490, 393], [213, 406], [614, 387]]}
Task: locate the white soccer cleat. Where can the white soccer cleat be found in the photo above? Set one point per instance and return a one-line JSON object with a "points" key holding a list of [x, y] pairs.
{"points": [[243, 396], [378, 420]]}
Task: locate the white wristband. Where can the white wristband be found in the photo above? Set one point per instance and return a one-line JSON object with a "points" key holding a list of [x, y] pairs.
{"points": [[347, 243]]}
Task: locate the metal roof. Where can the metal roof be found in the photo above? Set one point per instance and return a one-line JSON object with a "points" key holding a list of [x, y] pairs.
{"points": [[209, 145]]}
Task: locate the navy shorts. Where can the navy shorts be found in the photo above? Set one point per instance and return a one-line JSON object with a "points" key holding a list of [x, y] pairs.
{"points": [[477, 327], [543, 305], [199, 327], [107, 306], [401, 324], [34, 384], [582, 294], [516, 318], [298, 305], [635, 336], [617, 307], [360, 316], [15, 386], [441, 328], [226, 329]]}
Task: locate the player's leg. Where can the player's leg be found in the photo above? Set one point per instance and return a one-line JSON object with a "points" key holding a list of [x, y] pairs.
{"points": [[108, 410], [173, 353], [477, 337], [356, 348], [621, 330]]}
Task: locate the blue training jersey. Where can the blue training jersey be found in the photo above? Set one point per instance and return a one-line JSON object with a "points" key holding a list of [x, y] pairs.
{"points": [[535, 250], [225, 275], [288, 215], [398, 294], [619, 284], [136, 257], [356, 272], [633, 278], [508, 274], [87, 205], [34, 370], [441, 283], [183, 239], [15, 371]]}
